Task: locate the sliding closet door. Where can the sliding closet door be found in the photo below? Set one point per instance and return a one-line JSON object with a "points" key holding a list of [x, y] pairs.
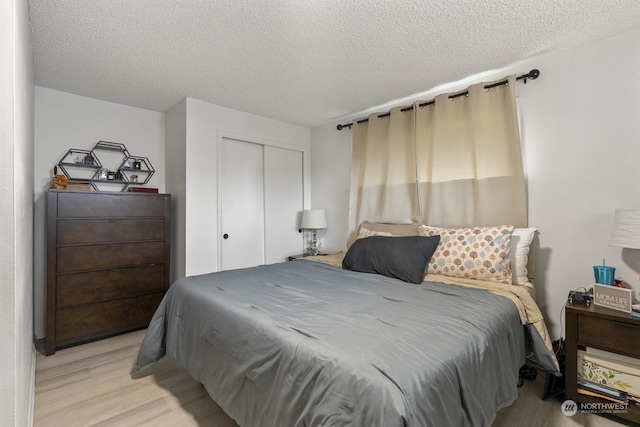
{"points": [[283, 200], [241, 188]]}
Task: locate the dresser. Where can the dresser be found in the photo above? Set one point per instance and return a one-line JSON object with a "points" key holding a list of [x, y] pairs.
{"points": [[601, 328], [108, 263]]}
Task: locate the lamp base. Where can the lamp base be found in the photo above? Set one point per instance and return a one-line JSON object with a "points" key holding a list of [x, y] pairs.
{"points": [[312, 250]]}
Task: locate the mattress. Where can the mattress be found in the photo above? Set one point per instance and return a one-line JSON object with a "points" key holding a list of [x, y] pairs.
{"points": [[304, 343]]}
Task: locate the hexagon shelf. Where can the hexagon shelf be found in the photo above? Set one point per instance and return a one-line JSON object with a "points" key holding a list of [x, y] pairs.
{"points": [[86, 166]]}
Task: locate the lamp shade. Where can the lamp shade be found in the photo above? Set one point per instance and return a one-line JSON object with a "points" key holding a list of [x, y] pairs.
{"points": [[313, 219], [626, 229]]}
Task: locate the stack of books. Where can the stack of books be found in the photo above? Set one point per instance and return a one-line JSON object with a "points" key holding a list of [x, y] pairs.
{"points": [[78, 184], [143, 190], [589, 388], [609, 376], [635, 310]]}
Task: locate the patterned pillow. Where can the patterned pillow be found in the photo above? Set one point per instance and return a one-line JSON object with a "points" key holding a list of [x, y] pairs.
{"points": [[473, 253]]}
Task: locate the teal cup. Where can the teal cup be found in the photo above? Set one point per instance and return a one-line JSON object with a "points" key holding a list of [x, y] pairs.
{"points": [[604, 275]]}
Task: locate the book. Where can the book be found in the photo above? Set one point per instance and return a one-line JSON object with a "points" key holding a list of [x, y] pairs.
{"points": [[603, 354], [635, 314], [586, 392], [143, 190], [601, 389]]}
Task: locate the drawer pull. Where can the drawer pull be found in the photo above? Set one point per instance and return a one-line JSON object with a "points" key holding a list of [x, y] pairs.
{"points": [[629, 325], [115, 270], [115, 300]]}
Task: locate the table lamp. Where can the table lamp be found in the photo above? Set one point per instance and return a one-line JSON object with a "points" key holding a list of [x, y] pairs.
{"points": [[313, 219], [626, 229]]}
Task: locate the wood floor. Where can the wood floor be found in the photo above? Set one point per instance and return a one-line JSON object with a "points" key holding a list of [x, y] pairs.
{"points": [[92, 385]]}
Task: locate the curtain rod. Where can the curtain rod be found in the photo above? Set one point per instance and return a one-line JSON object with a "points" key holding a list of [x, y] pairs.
{"points": [[532, 75]]}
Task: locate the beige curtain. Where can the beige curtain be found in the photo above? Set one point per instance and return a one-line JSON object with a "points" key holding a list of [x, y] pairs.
{"points": [[383, 170], [454, 163]]}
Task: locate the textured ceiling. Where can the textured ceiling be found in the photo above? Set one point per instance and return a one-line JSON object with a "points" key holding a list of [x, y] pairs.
{"points": [[300, 61]]}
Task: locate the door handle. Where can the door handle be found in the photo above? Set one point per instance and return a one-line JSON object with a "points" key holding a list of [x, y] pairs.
{"points": [[225, 236]]}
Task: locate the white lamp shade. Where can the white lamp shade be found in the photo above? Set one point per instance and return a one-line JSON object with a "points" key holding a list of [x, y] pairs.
{"points": [[626, 229], [313, 219]]}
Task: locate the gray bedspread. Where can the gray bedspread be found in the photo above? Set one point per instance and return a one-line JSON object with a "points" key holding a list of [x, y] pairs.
{"points": [[307, 344]]}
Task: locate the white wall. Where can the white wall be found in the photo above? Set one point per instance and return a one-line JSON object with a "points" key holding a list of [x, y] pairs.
{"points": [[176, 180], [17, 352], [330, 174], [64, 121], [205, 123], [581, 124]]}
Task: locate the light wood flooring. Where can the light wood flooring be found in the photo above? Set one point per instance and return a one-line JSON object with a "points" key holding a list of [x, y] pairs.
{"points": [[92, 385]]}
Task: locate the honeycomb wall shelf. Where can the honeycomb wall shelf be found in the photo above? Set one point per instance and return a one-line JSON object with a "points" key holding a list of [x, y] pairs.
{"points": [[117, 169]]}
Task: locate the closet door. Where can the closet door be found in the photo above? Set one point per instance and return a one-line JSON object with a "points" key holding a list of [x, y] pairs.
{"points": [[241, 196], [283, 200]]}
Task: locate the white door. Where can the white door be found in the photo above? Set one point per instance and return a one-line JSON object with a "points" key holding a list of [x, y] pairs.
{"points": [[283, 200], [241, 187]]}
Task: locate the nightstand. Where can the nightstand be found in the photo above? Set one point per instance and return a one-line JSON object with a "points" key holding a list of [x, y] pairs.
{"points": [[292, 257], [601, 328]]}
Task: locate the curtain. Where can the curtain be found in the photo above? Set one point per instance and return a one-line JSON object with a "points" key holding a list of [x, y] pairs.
{"points": [[453, 163], [383, 170]]}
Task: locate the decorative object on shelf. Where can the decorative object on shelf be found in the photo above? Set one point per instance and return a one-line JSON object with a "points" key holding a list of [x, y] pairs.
{"points": [[59, 181], [313, 219], [88, 159], [143, 190], [83, 166], [142, 170], [103, 174]]}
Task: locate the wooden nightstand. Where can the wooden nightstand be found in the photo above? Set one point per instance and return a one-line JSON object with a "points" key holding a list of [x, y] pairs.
{"points": [[604, 329], [292, 257]]}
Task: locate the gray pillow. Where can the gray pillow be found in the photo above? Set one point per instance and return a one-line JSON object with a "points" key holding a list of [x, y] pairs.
{"points": [[403, 258]]}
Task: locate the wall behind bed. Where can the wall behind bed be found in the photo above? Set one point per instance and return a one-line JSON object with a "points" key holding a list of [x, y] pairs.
{"points": [[581, 145]]}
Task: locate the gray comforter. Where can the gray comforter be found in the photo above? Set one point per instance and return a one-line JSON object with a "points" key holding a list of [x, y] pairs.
{"points": [[307, 344]]}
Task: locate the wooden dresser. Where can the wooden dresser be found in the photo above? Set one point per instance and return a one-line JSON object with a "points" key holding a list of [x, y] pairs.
{"points": [[108, 261]]}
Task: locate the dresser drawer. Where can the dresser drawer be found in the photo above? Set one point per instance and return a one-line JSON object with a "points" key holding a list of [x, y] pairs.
{"points": [[615, 336], [81, 231], [99, 286], [78, 205], [96, 257], [92, 321]]}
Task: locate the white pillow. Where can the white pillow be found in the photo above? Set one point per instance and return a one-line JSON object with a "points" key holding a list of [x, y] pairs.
{"points": [[520, 241]]}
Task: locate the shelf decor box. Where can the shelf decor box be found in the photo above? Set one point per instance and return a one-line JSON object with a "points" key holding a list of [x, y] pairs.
{"points": [[613, 297]]}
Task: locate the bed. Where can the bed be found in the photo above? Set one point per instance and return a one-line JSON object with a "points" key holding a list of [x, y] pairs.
{"points": [[309, 343]]}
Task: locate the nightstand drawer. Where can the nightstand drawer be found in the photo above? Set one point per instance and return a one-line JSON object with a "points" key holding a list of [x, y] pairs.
{"points": [[612, 335]]}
